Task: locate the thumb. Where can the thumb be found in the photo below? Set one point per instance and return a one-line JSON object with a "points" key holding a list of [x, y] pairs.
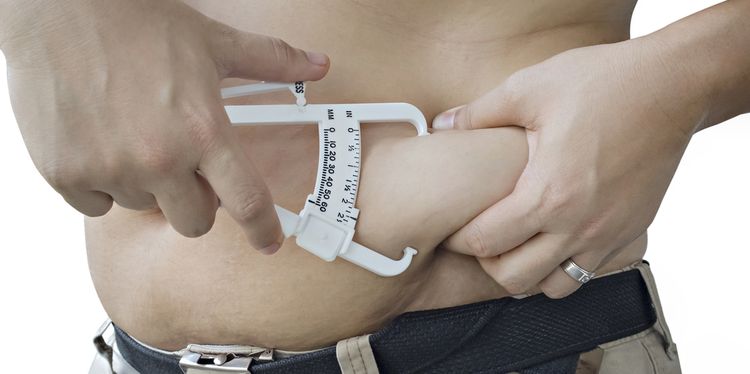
{"points": [[496, 108], [258, 57]]}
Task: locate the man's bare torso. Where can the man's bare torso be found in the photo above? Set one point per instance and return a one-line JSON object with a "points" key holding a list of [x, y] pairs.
{"points": [[168, 290]]}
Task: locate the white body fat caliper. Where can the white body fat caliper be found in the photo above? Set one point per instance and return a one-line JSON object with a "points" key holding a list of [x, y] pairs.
{"points": [[325, 226]]}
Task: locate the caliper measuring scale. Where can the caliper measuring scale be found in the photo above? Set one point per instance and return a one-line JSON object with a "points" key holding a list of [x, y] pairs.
{"points": [[326, 224]]}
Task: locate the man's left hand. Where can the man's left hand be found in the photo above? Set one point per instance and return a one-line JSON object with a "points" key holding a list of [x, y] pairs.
{"points": [[606, 127]]}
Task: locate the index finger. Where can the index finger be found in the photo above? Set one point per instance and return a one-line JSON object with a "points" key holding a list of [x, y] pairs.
{"points": [[243, 193], [502, 227]]}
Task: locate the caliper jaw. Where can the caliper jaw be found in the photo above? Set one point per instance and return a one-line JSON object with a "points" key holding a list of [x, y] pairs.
{"points": [[297, 89], [316, 229], [328, 240]]}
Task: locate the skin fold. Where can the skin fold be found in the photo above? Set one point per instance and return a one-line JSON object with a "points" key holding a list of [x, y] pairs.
{"points": [[177, 282], [607, 126], [568, 142], [168, 290]]}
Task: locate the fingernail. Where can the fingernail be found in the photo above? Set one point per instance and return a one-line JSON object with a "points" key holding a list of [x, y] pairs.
{"points": [[444, 121], [271, 249], [317, 58]]}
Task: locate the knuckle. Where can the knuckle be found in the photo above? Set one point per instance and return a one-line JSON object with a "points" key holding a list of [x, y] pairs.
{"points": [[158, 160], [61, 178], [552, 200], [592, 228], [251, 206], [55, 177], [533, 189], [282, 53], [227, 34], [281, 49], [476, 241], [204, 134], [203, 127], [512, 283], [108, 166], [227, 43]]}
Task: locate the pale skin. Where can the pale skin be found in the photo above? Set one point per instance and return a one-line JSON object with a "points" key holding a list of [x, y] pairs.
{"points": [[148, 71], [161, 286], [173, 283], [607, 126]]}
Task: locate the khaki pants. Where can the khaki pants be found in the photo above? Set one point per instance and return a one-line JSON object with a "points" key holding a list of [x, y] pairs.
{"points": [[649, 352]]}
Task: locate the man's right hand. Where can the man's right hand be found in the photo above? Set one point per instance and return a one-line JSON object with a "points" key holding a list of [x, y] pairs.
{"points": [[119, 100]]}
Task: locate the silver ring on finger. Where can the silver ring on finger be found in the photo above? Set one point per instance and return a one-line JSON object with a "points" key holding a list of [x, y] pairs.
{"points": [[576, 272]]}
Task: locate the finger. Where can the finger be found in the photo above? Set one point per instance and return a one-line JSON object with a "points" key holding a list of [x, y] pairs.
{"points": [[189, 204], [90, 203], [499, 107], [500, 228], [524, 267], [259, 57], [243, 193], [134, 200], [559, 284]]}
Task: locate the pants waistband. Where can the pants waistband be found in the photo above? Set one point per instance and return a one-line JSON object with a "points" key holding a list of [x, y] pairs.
{"points": [[500, 335]]}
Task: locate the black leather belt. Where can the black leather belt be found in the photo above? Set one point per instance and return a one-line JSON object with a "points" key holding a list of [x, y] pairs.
{"points": [[493, 336]]}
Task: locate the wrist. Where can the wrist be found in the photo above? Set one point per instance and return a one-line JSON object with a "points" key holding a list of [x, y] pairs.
{"points": [[29, 26], [668, 83], [707, 52]]}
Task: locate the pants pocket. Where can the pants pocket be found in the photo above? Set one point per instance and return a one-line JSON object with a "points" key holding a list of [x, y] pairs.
{"points": [[640, 354], [648, 352]]}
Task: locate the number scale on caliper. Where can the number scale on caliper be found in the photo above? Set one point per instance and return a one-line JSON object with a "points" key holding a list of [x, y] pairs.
{"points": [[338, 178], [325, 227]]}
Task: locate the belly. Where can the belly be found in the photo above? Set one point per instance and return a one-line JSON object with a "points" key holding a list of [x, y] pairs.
{"points": [[168, 290]]}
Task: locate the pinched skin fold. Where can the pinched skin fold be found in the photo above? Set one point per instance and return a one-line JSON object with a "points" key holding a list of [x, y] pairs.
{"points": [[167, 290]]}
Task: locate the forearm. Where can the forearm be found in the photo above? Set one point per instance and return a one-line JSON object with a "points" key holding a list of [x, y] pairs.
{"points": [[707, 53]]}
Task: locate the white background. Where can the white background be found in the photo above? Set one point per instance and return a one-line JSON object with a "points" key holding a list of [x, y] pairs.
{"points": [[698, 248]]}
